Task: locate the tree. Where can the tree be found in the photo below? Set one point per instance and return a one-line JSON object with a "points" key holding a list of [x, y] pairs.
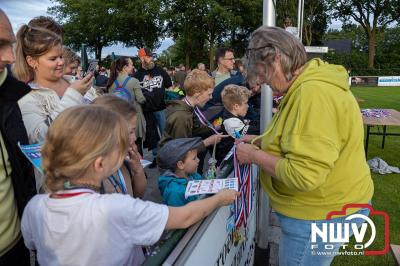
{"points": [[350, 32], [372, 15], [315, 20], [388, 51], [199, 26], [245, 16], [184, 22], [87, 21], [216, 21], [100, 23], [139, 23], [387, 59], [286, 9], [196, 26]]}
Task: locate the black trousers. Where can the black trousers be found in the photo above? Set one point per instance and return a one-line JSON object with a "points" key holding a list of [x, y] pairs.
{"points": [[18, 255]]}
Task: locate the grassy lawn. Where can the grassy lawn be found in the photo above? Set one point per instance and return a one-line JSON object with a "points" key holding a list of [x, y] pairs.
{"points": [[387, 187]]}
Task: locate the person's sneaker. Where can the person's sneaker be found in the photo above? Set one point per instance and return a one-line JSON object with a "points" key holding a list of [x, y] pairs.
{"points": [[153, 164]]}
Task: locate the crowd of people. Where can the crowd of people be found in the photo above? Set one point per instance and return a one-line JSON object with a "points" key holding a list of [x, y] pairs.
{"points": [[93, 142]]}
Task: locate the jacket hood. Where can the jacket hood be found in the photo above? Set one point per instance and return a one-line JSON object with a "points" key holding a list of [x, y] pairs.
{"points": [[318, 70], [167, 177]]}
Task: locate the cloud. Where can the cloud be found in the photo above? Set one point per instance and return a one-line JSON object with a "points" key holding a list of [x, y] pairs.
{"points": [[22, 11], [120, 49]]}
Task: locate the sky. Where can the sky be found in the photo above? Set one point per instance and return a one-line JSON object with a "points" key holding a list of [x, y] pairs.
{"points": [[22, 11]]}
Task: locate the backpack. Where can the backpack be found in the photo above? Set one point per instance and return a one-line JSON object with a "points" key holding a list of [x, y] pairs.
{"points": [[121, 90], [175, 94]]}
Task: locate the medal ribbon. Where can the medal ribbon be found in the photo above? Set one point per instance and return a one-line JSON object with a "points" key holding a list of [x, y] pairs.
{"points": [[120, 182], [203, 120], [243, 204]]}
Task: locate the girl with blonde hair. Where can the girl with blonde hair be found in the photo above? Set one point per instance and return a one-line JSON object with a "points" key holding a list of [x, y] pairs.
{"points": [[84, 146], [130, 179]]}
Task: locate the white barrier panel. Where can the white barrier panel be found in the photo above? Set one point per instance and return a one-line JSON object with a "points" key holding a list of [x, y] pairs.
{"points": [[389, 81], [213, 245]]}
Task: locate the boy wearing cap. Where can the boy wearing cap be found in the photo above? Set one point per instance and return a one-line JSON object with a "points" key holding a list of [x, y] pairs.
{"points": [[178, 158]]}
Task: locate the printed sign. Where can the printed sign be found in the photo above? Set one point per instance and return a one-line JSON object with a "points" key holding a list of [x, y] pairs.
{"points": [[198, 187], [389, 81], [33, 153]]}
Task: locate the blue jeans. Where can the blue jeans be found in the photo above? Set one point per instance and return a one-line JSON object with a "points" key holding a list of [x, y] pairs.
{"points": [[296, 248], [161, 121]]}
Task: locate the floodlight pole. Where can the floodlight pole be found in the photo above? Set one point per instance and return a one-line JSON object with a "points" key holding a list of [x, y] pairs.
{"points": [[269, 19]]}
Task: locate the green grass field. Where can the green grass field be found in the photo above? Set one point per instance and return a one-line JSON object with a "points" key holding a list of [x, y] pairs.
{"points": [[387, 187]]}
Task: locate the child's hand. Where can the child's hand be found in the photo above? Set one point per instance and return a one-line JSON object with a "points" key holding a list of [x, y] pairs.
{"points": [[214, 139], [227, 196], [134, 159]]}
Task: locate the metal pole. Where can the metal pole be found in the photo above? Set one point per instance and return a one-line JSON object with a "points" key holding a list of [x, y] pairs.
{"points": [[269, 19], [269, 13], [300, 17]]}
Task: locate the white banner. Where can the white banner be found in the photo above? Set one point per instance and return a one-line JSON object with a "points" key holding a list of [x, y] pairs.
{"points": [[389, 81], [216, 246], [316, 49]]}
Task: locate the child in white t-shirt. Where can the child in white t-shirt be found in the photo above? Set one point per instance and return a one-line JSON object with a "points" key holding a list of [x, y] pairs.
{"points": [[74, 224]]}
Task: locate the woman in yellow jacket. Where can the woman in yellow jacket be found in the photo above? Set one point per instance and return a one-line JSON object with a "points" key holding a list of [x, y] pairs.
{"points": [[311, 155]]}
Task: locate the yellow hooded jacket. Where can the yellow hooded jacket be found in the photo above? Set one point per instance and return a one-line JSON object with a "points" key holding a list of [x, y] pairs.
{"points": [[318, 132]]}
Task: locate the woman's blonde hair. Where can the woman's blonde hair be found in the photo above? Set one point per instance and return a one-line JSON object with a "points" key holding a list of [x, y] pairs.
{"points": [[47, 23], [32, 40], [116, 104], [197, 81], [76, 138]]}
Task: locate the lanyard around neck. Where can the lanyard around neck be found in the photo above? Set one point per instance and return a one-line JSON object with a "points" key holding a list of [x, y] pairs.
{"points": [[203, 120], [72, 193], [120, 182]]}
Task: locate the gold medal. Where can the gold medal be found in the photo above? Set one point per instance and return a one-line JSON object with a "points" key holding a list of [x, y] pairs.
{"points": [[237, 237]]}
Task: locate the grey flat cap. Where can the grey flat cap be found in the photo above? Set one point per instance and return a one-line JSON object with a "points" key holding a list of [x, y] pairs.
{"points": [[175, 150]]}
